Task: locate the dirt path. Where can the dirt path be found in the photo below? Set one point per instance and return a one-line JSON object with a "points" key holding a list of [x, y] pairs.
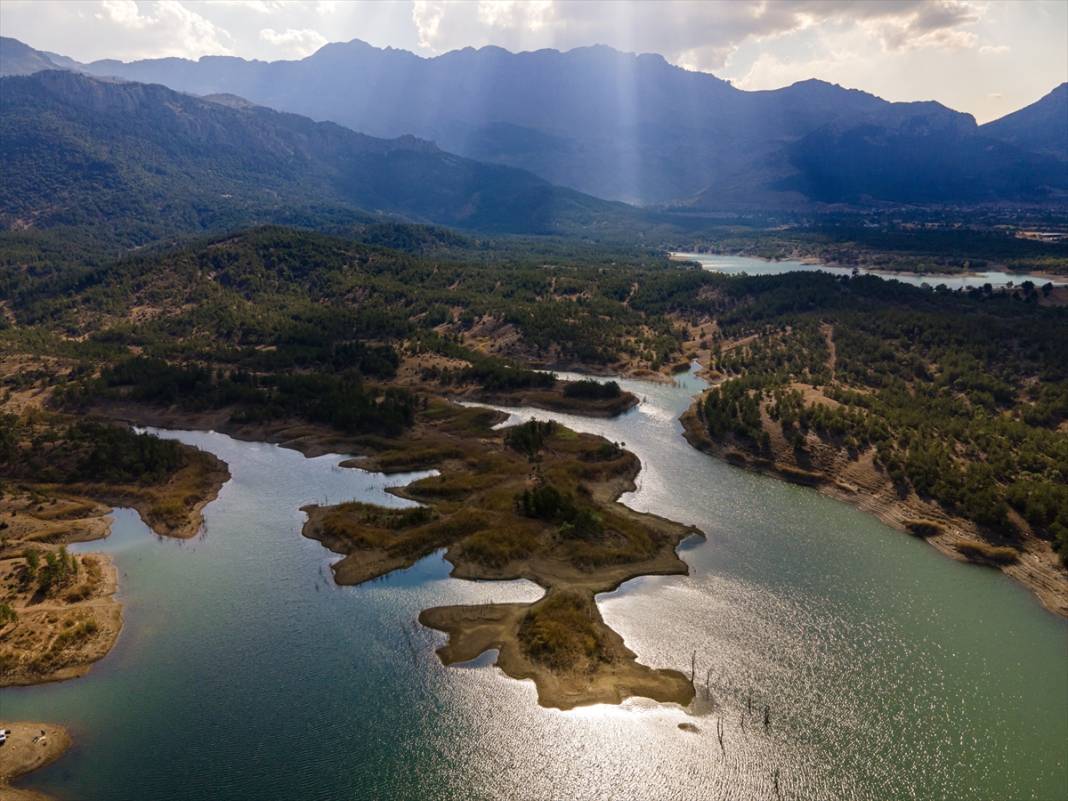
{"points": [[832, 352]]}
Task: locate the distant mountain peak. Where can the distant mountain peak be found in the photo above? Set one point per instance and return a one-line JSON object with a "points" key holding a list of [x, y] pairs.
{"points": [[628, 126], [17, 58], [1041, 126]]}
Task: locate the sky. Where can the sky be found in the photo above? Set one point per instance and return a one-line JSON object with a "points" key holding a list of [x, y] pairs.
{"points": [[985, 57]]}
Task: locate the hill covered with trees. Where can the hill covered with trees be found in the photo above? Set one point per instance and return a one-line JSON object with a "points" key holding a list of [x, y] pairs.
{"points": [[138, 162]]}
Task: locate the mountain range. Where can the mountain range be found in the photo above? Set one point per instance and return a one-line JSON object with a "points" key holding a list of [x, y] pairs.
{"points": [[142, 161], [633, 128]]}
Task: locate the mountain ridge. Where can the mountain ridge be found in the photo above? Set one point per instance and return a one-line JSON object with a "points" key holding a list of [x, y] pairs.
{"points": [[636, 128], [1041, 126], [78, 149]]}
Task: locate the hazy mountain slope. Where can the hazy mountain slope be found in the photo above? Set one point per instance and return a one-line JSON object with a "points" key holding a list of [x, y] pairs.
{"points": [[17, 58], [918, 165], [904, 153], [609, 123], [1041, 126], [636, 128], [143, 159]]}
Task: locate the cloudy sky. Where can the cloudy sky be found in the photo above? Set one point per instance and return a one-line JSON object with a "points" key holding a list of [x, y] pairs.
{"points": [[986, 57]]}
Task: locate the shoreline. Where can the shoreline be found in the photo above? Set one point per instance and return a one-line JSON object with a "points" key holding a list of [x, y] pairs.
{"points": [[551, 402], [1036, 569], [59, 633], [61, 638], [20, 755], [41, 626]]}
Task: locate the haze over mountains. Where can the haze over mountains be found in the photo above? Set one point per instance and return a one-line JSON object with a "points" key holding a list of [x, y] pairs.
{"points": [[635, 128], [143, 160]]}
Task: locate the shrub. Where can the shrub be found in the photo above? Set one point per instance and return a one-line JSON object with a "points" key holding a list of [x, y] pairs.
{"points": [[592, 390], [924, 528], [988, 554], [530, 437], [561, 633]]}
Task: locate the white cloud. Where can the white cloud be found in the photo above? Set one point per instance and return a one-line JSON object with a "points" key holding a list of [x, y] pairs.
{"points": [[296, 43], [122, 12], [258, 6], [532, 15], [695, 34], [165, 28], [770, 72], [427, 16]]}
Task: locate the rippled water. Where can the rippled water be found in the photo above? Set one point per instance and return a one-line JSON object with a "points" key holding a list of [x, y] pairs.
{"points": [[889, 672], [738, 265]]}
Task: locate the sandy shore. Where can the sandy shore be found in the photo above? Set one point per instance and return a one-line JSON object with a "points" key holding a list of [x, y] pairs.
{"points": [[860, 484], [21, 754]]}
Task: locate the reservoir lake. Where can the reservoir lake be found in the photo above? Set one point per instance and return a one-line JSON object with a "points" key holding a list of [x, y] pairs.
{"points": [[748, 265], [887, 670]]}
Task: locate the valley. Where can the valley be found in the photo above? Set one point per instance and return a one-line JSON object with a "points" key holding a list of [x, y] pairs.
{"points": [[553, 423]]}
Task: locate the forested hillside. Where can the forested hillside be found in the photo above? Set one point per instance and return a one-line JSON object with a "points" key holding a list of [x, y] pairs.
{"points": [[956, 398], [138, 162], [961, 398], [639, 129]]}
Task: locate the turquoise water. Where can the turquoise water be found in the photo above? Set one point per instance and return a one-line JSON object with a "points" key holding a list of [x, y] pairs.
{"points": [[738, 265], [889, 671]]}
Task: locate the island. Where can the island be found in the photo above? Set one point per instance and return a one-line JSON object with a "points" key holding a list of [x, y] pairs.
{"points": [[535, 501]]}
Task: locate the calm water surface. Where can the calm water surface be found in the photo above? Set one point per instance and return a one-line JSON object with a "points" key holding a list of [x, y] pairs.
{"points": [[888, 671], [739, 265]]}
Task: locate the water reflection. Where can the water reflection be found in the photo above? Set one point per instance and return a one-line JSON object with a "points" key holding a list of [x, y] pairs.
{"points": [[886, 670]]}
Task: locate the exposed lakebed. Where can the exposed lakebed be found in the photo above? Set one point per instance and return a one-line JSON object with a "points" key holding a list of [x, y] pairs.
{"points": [[888, 670]]}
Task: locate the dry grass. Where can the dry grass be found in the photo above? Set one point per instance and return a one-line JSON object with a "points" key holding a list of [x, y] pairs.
{"points": [[983, 553], [563, 632]]}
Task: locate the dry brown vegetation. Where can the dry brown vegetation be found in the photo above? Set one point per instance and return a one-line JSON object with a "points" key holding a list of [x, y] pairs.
{"points": [[57, 610], [53, 626]]}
